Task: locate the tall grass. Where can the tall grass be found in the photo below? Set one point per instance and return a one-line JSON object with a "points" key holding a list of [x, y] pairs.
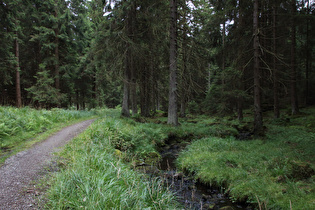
{"points": [[17, 125], [277, 171], [96, 177]]}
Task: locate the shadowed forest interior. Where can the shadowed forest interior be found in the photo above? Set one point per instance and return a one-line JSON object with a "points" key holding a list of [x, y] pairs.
{"points": [[203, 57], [228, 84]]}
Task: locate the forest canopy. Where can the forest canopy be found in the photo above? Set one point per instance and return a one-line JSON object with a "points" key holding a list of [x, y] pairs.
{"points": [[197, 56]]}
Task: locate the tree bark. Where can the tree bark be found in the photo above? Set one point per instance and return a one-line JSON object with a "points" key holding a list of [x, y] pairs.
{"points": [[294, 101], [240, 99], [223, 50], [129, 95], [308, 56], [125, 104], [17, 72], [131, 17], [275, 70], [145, 90], [172, 108], [78, 99], [57, 76], [258, 122], [183, 80]]}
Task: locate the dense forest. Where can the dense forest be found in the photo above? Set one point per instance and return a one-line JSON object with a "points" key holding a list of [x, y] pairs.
{"points": [[197, 56], [237, 76]]}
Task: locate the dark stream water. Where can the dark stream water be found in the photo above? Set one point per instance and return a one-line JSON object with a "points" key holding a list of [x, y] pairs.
{"points": [[190, 193]]}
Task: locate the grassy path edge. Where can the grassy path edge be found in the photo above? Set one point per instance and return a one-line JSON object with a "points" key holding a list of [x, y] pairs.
{"points": [[28, 143]]}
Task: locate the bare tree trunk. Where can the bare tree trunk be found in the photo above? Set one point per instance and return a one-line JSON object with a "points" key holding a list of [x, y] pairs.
{"points": [[209, 77], [240, 99], [223, 50], [258, 122], [129, 75], [183, 80], [133, 86], [275, 70], [57, 76], [133, 96], [133, 77], [78, 99], [17, 78], [125, 104], [294, 101], [172, 108], [145, 90], [307, 61]]}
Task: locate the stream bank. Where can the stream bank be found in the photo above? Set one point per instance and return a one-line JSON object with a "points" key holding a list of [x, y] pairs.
{"points": [[192, 194]]}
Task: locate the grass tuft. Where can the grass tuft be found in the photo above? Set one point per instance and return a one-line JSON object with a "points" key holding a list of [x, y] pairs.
{"points": [[97, 178]]}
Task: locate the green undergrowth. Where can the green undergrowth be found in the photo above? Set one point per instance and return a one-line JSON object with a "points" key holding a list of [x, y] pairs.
{"points": [[275, 172], [96, 173], [21, 127]]}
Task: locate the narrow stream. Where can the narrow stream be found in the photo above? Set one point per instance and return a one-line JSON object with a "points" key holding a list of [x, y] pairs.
{"points": [[190, 193]]}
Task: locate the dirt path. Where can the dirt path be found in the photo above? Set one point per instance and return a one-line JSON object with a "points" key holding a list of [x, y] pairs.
{"points": [[21, 170]]}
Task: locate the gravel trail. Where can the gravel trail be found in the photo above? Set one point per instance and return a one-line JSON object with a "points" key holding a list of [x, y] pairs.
{"points": [[21, 170]]}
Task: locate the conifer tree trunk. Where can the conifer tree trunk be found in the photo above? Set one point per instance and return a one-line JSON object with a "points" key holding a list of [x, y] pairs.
{"points": [[184, 92], [133, 77], [17, 70], [223, 49], [183, 88], [294, 101], [125, 104], [240, 100], [133, 92], [258, 122], [172, 108], [129, 95], [275, 70], [307, 61], [57, 76], [153, 90], [57, 73]]}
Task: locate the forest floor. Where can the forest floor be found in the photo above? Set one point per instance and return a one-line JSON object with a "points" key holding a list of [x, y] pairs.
{"points": [[21, 171]]}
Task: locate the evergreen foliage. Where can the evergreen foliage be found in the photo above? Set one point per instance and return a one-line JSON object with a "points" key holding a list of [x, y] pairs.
{"points": [[44, 93], [214, 57], [101, 52]]}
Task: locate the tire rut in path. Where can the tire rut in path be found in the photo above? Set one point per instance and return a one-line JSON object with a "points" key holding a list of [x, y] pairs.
{"points": [[20, 170]]}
